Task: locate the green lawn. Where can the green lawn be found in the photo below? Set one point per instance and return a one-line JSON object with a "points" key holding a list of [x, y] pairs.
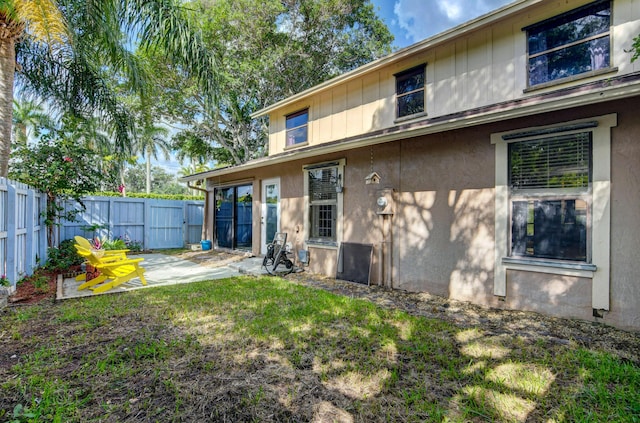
{"points": [[265, 349]]}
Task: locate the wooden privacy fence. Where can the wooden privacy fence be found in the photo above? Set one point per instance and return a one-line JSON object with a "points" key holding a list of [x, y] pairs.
{"points": [[155, 224], [23, 235]]}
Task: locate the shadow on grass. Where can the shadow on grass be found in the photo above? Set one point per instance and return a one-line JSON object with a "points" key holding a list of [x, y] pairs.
{"points": [[265, 349]]}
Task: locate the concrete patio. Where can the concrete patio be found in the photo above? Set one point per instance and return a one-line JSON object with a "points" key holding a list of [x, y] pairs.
{"points": [[161, 270]]}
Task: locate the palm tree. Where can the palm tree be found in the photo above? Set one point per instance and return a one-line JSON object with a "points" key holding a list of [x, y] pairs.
{"points": [[192, 169], [77, 71], [46, 24], [152, 138], [27, 114]]}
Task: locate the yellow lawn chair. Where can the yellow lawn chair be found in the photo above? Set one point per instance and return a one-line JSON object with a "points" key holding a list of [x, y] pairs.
{"points": [[84, 243], [112, 272], [107, 255]]}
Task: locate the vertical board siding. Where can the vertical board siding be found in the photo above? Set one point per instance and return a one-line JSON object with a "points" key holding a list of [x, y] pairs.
{"points": [[155, 224], [128, 219], [195, 217], [23, 238], [3, 225], [166, 225]]}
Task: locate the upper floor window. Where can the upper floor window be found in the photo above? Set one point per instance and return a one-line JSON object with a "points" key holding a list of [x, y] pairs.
{"points": [[297, 127], [410, 91], [570, 44]]}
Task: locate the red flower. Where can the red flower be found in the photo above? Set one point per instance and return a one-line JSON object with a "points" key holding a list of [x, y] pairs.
{"points": [[67, 159]]}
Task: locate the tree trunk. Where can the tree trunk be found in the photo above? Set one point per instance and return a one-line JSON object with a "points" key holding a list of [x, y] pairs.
{"points": [[148, 171], [7, 72]]}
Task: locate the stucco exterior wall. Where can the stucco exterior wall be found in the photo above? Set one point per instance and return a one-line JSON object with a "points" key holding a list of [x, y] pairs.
{"points": [[625, 218], [443, 226]]}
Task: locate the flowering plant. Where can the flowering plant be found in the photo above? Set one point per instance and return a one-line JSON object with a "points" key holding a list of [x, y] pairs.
{"points": [[4, 281], [96, 243]]}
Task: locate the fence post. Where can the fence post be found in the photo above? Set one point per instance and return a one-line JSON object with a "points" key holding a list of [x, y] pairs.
{"points": [[112, 209], [29, 264], [12, 253], [44, 240], [185, 223], [146, 230]]}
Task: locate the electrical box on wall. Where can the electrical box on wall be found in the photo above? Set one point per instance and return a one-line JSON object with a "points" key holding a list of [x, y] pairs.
{"points": [[385, 201]]}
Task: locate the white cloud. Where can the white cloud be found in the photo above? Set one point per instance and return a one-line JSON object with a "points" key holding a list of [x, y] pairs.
{"points": [[421, 19]]}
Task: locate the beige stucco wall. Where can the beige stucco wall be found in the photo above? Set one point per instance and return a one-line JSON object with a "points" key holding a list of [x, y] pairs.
{"points": [[443, 228]]}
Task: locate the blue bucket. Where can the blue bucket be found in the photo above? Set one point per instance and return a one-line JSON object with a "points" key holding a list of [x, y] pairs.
{"points": [[206, 245]]}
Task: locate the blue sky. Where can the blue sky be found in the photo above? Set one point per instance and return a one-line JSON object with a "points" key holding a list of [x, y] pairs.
{"points": [[411, 21]]}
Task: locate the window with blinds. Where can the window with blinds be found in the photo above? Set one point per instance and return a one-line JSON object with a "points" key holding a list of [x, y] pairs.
{"points": [[550, 197], [558, 162]]}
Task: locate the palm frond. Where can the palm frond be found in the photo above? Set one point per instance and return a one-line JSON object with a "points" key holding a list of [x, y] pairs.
{"points": [[44, 20]]}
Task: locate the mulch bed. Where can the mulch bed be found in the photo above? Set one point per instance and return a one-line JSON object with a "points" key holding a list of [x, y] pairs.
{"points": [[33, 289]]}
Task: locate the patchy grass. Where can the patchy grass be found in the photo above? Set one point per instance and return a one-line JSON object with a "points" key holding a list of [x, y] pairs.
{"points": [[266, 349]]}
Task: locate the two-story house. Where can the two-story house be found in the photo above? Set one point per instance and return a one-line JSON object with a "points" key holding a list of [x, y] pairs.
{"points": [[496, 162]]}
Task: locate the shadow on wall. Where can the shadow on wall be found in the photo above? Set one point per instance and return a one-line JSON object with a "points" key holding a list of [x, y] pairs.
{"points": [[445, 243]]}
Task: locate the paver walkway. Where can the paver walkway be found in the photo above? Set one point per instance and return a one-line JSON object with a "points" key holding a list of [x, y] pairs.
{"points": [[162, 270]]}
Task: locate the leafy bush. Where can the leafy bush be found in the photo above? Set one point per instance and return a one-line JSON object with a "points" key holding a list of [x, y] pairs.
{"points": [[145, 195], [63, 257], [113, 244], [135, 246]]}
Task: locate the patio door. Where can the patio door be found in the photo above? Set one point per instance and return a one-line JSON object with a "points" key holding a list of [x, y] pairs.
{"points": [[270, 221], [233, 217]]}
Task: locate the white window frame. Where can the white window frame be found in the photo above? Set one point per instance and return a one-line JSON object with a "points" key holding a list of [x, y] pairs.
{"points": [[598, 269], [339, 164]]}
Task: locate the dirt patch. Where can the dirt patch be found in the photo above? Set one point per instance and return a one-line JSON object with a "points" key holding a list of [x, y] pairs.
{"points": [[39, 287], [528, 325]]}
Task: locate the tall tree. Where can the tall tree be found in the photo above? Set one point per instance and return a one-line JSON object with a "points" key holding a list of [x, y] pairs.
{"points": [[28, 117], [162, 183], [46, 24], [268, 50], [59, 167], [151, 139], [76, 72]]}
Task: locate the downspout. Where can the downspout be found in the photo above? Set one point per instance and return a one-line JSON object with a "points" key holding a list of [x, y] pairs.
{"points": [[203, 234]]}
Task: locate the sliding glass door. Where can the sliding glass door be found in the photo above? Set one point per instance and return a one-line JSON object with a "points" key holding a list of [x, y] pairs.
{"points": [[233, 217]]}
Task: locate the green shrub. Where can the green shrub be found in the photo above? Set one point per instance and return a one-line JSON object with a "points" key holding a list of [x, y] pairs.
{"points": [[63, 257], [113, 244], [153, 196]]}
